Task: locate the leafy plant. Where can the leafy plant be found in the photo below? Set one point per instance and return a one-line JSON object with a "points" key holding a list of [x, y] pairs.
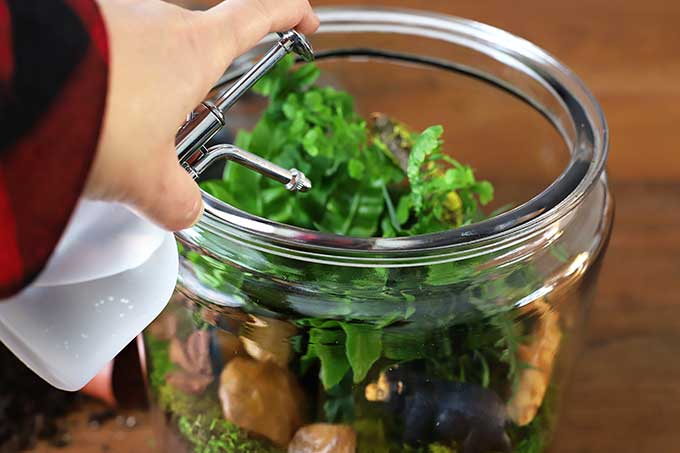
{"points": [[355, 179], [341, 347]]}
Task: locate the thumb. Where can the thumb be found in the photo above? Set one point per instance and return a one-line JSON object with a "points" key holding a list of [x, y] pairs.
{"points": [[170, 198], [240, 24]]}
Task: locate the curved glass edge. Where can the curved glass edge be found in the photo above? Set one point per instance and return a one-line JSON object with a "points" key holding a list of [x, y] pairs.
{"points": [[590, 147]]}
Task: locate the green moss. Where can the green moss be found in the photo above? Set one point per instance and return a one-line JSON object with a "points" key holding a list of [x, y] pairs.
{"points": [[158, 351], [199, 418], [177, 402], [431, 448], [371, 435], [213, 435], [439, 448]]}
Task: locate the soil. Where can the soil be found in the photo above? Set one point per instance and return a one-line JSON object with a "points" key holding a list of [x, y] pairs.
{"points": [[30, 408]]}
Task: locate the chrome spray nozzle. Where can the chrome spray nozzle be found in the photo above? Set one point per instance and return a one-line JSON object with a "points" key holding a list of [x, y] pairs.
{"points": [[208, 118], [294, 179]]}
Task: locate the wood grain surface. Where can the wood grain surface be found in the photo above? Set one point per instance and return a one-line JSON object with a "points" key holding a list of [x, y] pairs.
{"points": [[625, 392]]}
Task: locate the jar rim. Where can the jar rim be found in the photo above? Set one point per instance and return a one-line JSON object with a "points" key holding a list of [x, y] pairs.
{"points": [[589, 151]]}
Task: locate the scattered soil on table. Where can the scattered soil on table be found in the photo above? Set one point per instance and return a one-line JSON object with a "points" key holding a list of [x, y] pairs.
{"points": [[30, 408]]}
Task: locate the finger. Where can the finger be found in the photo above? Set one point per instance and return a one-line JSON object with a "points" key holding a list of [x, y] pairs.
{"points": [[167, 197], [308, 24], [241, 24]]}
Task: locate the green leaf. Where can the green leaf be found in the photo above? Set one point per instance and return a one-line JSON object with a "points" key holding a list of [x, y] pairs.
{"points": [[242, 139], [310, 142], [279, 205], [386, 227], [299, 127], [404, 345], [266, 137], [219, 190], [363, 347], [339, 405], [327, 343], [314, 101], [392, 214], [404, 209], [334, 364], [484, 190], [352, 210], [356, 169], [272, 82], [427, 143], [305, 76], [291, 110], [241, 183]]}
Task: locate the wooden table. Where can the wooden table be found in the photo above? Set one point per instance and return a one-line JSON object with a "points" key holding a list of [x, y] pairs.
{"points": [[625, 395]]}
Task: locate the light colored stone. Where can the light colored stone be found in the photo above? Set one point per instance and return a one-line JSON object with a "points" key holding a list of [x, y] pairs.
{"points": [[262, 398], [268, 340], [538, 357], [324, 438]]}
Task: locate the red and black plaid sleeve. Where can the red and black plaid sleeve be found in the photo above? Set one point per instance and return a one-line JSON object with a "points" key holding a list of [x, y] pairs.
{"points": [[53, 83]]}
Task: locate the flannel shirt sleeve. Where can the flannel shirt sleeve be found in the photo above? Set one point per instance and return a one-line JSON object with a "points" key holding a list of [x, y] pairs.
{"points": [[53, 82]]}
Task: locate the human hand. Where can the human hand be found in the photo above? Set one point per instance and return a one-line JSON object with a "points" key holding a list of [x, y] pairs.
{"points": [[164, 61]]}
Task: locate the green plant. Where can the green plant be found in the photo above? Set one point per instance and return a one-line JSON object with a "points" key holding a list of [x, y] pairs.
{"points": [[355, 178]]}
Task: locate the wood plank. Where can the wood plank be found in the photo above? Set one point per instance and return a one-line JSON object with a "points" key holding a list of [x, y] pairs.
{"points": [[625, 390]]}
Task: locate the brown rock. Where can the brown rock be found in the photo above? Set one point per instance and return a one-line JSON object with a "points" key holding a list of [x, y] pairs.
{"points": [[324, 438], [261, 398], [191, 383], [538, 356], [178, 354], [193, 359], [194, 355], [228, 344], [268, 340]]}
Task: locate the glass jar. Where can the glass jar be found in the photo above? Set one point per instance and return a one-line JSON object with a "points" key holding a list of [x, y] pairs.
{"points": [[284, 339]]}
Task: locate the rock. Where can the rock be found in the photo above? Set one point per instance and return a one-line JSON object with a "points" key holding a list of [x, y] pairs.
{"points": [[268, 340], [191, 383], [194, 355], [193, 359], [228, 344], [324, 438], [261, 398], [538, 356]]}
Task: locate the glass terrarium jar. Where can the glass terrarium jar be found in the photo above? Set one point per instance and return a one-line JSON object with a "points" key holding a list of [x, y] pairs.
{"points": [[284, 339]]}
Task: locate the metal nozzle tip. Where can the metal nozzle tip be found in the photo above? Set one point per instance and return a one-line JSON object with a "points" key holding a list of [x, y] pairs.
{"points": [[298, 181], [298, 43], [306, 184]]}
